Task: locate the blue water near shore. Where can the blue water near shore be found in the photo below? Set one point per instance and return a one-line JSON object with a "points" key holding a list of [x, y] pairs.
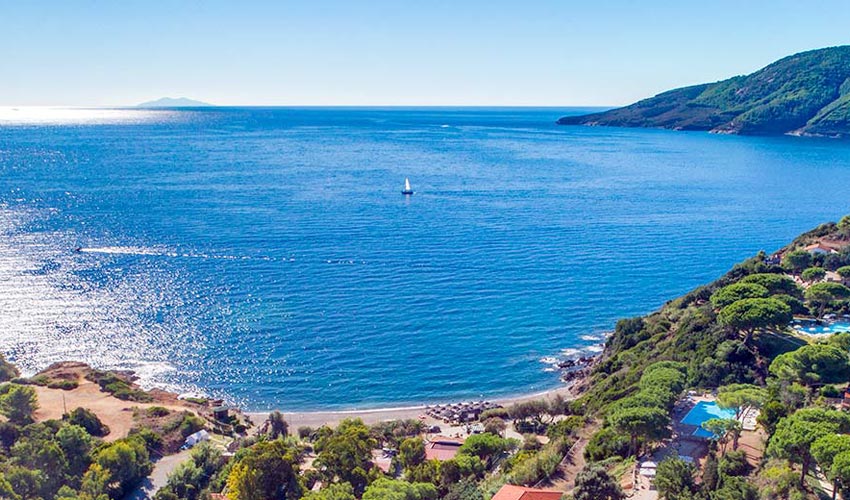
{"points": [[267, 255]]}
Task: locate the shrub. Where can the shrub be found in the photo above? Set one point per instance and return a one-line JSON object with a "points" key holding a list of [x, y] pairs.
{"points": [[45, 381], [565, 428], [8, 371], [65, 385], [830, 391], [539, 466], [464, 490], [126, 462], [158, 411], [190, 424], [594, 483], [495, 413], [813, 274], [530, 442], [485, 446], [607, 443], [87, 420], [118, 387], [153, 440], [304, 432], [18, 404], [41, 380], [797, 260], [734, 463], [495, 425], [197, 401]]}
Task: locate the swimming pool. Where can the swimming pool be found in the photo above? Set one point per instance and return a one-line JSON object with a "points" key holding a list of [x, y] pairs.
{"points": [[704, 411], [812, 327]]}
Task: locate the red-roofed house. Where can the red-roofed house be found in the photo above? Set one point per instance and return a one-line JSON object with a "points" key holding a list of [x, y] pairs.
{"points": [[442, 448], [383, 461], [821, 248], [511, 492]]}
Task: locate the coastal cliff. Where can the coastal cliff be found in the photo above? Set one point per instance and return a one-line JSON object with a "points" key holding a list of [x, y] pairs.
{"points": [[693, 332], [803, 94]]}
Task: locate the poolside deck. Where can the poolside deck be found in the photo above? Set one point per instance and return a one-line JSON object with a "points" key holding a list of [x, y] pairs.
{"points": [[685, 443]]}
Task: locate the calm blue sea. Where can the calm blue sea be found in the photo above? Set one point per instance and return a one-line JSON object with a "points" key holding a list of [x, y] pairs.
{"points": [[267, 255]]}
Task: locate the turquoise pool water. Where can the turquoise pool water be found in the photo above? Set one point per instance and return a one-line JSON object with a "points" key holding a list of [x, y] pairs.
{"points": [[823, 328], [704, 411]]}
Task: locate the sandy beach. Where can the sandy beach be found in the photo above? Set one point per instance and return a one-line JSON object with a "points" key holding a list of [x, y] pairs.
{"points": [[372, 416]]}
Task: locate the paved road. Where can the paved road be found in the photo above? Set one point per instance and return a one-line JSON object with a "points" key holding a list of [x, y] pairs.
{"points": [[159, 477]]}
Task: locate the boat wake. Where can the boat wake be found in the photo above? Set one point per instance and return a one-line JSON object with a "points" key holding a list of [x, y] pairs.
{"points": [[155, 252], [121, 250]]}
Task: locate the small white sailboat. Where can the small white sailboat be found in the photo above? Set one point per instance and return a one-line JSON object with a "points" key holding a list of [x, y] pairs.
{"points": [[407, 190]]}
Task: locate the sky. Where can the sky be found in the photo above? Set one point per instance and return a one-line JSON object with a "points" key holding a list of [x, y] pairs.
{"points": [[394, 52]]}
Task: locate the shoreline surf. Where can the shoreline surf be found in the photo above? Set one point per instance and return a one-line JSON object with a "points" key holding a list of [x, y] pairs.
{"points": [[375, 415]]}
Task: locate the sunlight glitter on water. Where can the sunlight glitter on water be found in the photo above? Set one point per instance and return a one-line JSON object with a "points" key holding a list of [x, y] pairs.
{"points": [[46, 115], [49, 316], [266, 256]]}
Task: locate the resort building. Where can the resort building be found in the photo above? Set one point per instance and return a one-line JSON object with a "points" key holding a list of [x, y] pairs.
{"points": [[198, 437], [383, 459], [511, 492], [821, 248], [442, 448], [221, 412]]}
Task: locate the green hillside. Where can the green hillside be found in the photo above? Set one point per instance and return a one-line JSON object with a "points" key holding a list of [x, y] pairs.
{"points": [[803, 94]]}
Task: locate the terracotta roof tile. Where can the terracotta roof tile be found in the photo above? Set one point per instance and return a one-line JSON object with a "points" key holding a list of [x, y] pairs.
{"points": [[511, 492]]}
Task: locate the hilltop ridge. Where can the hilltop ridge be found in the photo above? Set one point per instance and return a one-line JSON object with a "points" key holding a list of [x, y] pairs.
{"points": [[803, 94]]}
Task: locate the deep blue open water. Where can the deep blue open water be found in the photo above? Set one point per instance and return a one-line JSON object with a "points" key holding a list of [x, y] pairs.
{"points": [[267, 255]]}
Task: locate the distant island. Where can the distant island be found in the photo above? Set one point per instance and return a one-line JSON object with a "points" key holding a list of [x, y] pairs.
{"points": [[803, 94], [172, 102]]}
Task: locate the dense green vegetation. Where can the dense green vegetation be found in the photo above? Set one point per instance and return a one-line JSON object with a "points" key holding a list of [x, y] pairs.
{"points": [[723, 333], [732, 336], [62, 459], [806, 93], [118, 386]]}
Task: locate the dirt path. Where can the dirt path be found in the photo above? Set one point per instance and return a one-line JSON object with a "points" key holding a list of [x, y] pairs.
{"points": [[573, 462], [159, 477]]}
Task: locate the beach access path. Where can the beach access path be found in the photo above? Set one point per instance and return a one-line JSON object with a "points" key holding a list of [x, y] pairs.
{"points": [[373, 416], [159, 477]]}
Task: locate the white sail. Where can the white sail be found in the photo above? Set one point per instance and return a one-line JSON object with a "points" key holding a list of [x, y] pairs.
{"points": [[406, 184]]}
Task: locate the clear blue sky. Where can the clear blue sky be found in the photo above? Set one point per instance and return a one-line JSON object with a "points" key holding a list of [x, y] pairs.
{"points": [[394, 52]]}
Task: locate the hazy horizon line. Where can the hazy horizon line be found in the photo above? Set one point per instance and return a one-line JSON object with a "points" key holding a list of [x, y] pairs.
{"points": [[209, 105]]}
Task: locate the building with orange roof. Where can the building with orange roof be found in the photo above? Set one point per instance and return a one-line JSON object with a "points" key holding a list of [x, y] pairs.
{"points": [[823, 248], [511, 492], [442, 448]]}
